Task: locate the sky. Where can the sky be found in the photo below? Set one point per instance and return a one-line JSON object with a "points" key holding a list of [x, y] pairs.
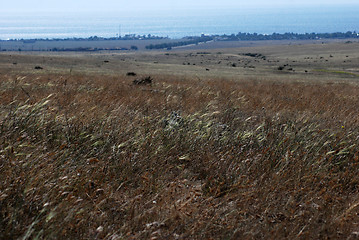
{"points": [[145, 5]]}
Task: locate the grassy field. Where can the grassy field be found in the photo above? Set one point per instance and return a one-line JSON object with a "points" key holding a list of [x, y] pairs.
{"points": [[248, 143]]}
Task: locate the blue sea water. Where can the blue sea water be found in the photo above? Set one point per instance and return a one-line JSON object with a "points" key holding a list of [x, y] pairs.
{"points": [[177, 24]]}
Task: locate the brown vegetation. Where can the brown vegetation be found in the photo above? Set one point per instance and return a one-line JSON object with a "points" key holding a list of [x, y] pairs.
{"points": [[96, 157]]}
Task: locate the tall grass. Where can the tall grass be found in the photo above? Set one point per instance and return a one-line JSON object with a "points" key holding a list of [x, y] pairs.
{"points": [[86, 157]]}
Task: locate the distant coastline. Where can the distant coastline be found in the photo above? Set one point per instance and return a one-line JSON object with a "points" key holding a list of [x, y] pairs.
{"points": [[150, 42]]}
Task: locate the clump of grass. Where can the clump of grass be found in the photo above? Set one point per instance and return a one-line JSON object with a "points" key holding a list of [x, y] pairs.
{"points": [[97, 157]]}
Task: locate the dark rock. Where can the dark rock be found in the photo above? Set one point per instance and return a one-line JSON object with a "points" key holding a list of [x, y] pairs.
{"points": [[131, 74]]}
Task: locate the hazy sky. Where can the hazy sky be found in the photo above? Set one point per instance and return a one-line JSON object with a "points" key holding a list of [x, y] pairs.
{"points": [[93, 5]]}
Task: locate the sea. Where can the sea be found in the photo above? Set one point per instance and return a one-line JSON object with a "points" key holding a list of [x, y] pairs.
{"points": [[177, 24]]}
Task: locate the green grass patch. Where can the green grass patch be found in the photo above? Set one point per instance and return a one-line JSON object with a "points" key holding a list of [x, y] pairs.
{"points": [[336, 72]]}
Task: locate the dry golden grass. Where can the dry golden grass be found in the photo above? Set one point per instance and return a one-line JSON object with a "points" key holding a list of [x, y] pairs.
{"points": [[96, 157]]}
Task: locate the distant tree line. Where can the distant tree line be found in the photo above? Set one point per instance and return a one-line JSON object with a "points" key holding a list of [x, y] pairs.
{"points": [[285, 36], [204, 38], [185, 42], [92, 38], [254, 37], [87, 49]]}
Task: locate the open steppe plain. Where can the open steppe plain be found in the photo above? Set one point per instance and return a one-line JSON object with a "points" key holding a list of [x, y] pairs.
{"points": [[254, 142]]}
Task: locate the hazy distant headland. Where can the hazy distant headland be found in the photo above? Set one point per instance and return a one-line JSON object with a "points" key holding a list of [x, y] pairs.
{"points": [[141, 42]]}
